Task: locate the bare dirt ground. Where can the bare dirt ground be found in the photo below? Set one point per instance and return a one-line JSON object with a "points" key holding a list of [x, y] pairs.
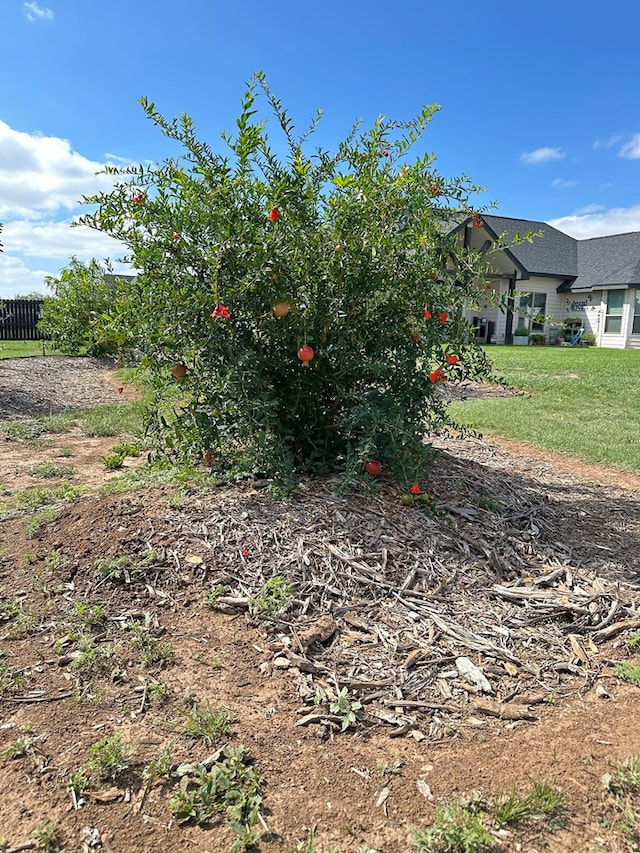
{"points": [[525, 564]]}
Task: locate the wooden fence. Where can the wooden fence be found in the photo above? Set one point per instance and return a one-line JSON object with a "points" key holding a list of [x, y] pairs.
{"points": [[19, 320]]}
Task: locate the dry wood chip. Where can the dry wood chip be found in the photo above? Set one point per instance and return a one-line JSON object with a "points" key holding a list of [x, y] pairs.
{"points": [[110, 795], [473, 674], [321, 630], [424, 789], [383, 795], [503, 711]]}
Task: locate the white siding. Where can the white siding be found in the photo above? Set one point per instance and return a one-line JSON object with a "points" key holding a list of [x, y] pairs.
{"points": [[625, 339], [587, 306]]}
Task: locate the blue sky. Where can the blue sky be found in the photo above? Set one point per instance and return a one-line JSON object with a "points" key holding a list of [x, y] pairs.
{"points": [[539, 102]]}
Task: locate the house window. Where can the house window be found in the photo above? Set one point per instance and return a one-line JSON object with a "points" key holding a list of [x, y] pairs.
{"points": [[533, 307], [613, 318], [636, 314]]}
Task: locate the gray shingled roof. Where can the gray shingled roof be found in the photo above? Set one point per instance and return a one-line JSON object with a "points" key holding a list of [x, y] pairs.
{"points": [[606, 261], [554, 253]]}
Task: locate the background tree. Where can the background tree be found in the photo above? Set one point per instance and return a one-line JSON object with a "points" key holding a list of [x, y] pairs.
{"points": [[297, 312], [76, 316]]}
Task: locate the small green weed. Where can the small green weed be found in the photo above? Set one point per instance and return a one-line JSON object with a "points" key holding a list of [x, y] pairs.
{"points": [[10, 609], [624, 783], [390, 769], [40, 520], [231, 787], [455, 829], [47, 837], [202, 722], [624, 778], [112, 461], [11, 679], [90, 616], [214, 593], [87, 655], [124, 568], [108, 758], [543, 799], [66, 452], [272, 597], [463, 826], [160, 767], [349, 711], [157, 692], [308, 846], [21, 746], [23, 622], [54, 559], [633, 640], [126, 449], [116, 569], [488, 503], [78, 782], [51, 470], [152, 651], [631, 826], [628, 671]]}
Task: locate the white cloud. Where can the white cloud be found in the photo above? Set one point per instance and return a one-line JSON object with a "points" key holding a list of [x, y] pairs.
{"points": [[43, 174], [120, 161], [631, 149], [17, 279], [589, 208], [57, 241], [33, 250], [37, 13], [41, 182], [601, 144], [616, 220], [562, 184], [542, 155]]}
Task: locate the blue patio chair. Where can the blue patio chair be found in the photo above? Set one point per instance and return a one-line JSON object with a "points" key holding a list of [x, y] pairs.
{"points": [[575, 339]]}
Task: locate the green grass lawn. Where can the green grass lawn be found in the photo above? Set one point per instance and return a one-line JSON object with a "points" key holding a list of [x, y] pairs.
{"points": [[583, 401], [17, 349]]}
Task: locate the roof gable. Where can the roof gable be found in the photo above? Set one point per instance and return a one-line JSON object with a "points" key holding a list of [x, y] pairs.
{"points": [[554, 253]]}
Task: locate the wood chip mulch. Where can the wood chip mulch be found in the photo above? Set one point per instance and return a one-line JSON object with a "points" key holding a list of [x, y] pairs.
{"points": [[508, 588]]}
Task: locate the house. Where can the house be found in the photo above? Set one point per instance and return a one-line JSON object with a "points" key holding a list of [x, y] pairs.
{"points": [[596, 282]]}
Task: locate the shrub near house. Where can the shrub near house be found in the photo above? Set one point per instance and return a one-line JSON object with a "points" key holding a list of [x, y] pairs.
{"points": [[311, 300]]}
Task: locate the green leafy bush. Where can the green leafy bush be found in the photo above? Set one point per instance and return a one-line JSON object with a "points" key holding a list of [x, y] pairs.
{"points": [[295, 312], [81, 294]]}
